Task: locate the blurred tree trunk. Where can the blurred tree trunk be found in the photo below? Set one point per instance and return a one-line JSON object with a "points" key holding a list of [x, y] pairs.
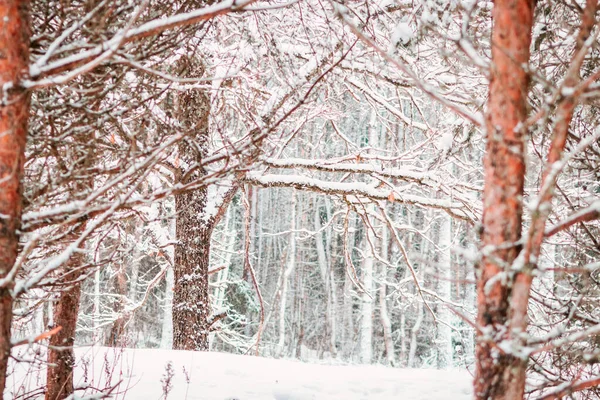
{"points": [[500, 375], [384, 314], [366, 307], [444, 328], [116, 336], [289, 268], [327, 277], [14, 114]]}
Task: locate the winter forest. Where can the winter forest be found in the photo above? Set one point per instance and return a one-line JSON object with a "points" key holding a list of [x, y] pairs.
{"points": [[411, 187]]}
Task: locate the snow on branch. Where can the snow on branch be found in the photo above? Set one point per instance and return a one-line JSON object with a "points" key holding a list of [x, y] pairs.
{"points": [[584, 215], [356, 189], [42, 68]]}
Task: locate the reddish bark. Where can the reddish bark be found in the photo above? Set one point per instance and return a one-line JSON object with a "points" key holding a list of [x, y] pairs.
{"points": [[499, 375], [573, 388], [14, 112], [564, 115], [586, 215], [61, 356]]}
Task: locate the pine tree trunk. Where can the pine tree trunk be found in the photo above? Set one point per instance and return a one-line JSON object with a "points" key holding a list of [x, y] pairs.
{"points": [[500, 375], [191, 302], [61, 357], [14, 114]]}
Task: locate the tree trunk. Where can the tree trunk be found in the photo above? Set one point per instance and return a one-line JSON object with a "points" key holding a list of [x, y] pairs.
{"points": [[286, 275], [348, 334], [96, 320], [116, 336], [14, 114], [366, 309], [196, 217], [61, 357], [500, 375], [444, 328], [166, 336], [413, 335], [191, 302], [384, 314], [326, 276]]}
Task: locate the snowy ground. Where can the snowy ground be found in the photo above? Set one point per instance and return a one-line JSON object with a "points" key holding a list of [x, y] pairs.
{"points": [[219, 376]]}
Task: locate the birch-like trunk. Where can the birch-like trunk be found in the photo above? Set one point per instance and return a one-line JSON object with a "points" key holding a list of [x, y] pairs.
{"points": [[223, 275], [444, 290], [291, 263], [366, 309], [96, 321], [166, 336], [413, 335], [348, 336], [326, 276], [384, 314]]}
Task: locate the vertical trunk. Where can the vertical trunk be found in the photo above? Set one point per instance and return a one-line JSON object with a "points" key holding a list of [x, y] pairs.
{"points": [[366, 310], [366, 325], [469, 336], [384, 314], [284, 280], [96, 306], [413, 335], [166, 337], [116, 336], [444, 328], [403, 355], [348, 338], [386, 323], [14, 113], [224, 273], [500, 375], [61, 357], [191, 303], [326, 275]]}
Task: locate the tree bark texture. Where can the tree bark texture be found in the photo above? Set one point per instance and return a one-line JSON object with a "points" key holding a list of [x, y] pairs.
{"points": [[191, 301], [14, 114], [61, 357], [500, 375]]}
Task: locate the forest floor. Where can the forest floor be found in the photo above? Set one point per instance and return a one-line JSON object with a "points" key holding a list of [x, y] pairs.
{"points": [[185, 375]]}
